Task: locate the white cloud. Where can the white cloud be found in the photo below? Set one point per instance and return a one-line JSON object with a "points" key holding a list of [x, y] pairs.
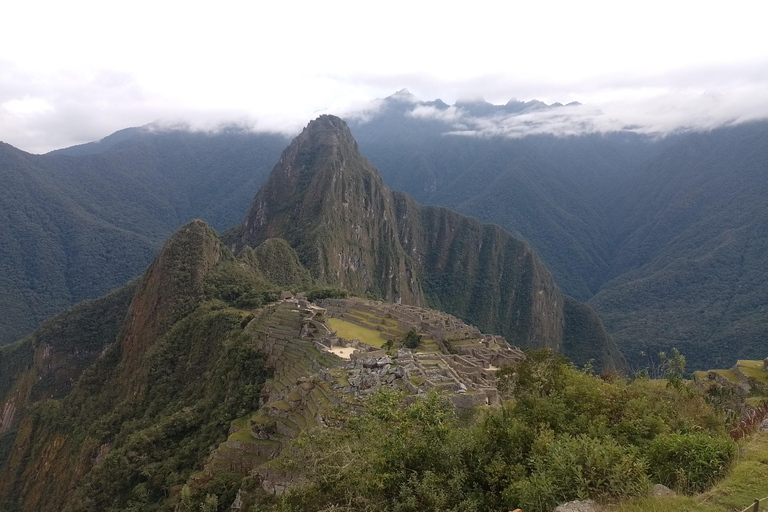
{"points": [[26, 106], [650, 111], [99, 67]]}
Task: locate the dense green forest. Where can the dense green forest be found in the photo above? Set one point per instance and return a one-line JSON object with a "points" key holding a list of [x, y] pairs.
{"points": [[77, 223]]}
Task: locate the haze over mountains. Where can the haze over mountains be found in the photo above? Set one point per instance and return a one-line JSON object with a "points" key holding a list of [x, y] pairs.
{"points": [[663, 236]]}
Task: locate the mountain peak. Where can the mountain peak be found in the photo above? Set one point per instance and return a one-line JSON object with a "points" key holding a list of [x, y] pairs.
{"points": [[168, 290], [328, 129], [350, 231], [404, 95], [330, 204]]}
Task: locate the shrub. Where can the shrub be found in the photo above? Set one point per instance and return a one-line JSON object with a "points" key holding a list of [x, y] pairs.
{"points": [[412, 340], [567, 468], [689, 462]]}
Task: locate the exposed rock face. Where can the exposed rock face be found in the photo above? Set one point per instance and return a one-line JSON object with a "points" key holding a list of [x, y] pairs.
{"points": [[332, 207], [351, 231], [482, 274], [6, 418]]}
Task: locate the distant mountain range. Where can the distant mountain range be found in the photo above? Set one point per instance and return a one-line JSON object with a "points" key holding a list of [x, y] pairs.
{"points": [[663, 237]]}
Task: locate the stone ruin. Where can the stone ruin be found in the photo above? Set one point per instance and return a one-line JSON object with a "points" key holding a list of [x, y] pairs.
{"points": [[465, 366], [311, 386]]}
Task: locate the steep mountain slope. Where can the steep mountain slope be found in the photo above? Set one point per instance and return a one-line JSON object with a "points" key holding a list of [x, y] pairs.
{"points": [[351, 231], [53, 252], [331, 206], [549, 191], [690, 266], [79, 222], [163, 377], [664, 233]]}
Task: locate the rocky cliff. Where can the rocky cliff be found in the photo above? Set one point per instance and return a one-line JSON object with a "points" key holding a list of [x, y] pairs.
{"points": [[351, 231], [332, 207]]}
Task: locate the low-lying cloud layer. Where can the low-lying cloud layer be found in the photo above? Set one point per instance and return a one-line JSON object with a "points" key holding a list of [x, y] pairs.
{"points": [[40, 122], [655, 113]]}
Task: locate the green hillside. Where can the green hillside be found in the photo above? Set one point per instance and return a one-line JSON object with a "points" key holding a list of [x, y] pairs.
{"points": [[690, 266], [77, 223], [156, 383]]}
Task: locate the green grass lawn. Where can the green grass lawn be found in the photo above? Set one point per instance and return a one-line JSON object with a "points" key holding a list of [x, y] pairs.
{"points": [[753, 369], [728, 374], [350, 331], [242, 435]]}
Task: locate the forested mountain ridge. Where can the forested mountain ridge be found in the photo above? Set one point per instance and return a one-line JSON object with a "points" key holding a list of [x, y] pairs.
{"points": [[79, 222], [168, 363], [352, 232], [53, 252], [690, 267]]}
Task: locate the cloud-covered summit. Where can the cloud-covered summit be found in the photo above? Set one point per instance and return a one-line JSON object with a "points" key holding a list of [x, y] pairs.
{"points": [[648, 114]]}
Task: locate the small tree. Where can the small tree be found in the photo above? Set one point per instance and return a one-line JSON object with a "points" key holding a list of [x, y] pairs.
{"points": [[674, 367], [412, 340]]}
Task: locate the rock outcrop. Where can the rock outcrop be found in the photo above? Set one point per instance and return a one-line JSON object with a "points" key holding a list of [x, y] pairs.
{"points": [[350, 231]]}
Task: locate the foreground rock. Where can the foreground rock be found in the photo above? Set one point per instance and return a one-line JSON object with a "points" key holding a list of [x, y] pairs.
{"points": [[578, 506]]}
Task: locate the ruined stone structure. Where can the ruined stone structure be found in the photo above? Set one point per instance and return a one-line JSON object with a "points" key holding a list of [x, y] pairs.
{"points": [[310, 382]]}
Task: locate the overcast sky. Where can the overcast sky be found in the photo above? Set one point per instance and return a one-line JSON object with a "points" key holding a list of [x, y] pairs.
{"points": [[76, 71]]}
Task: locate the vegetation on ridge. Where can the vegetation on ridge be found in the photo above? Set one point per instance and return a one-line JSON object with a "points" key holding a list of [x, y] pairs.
{"points": [[145, 414], [565, 434]]}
